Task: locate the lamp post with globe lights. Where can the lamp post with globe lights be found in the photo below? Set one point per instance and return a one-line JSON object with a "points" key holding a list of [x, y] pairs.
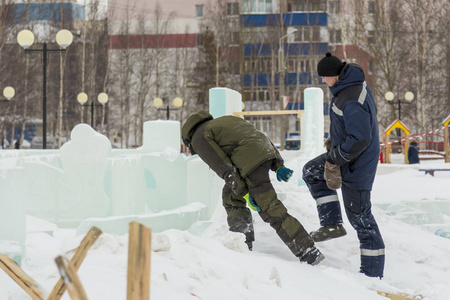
{"points": [[25, 38], [389, 96], [282, 70], [8, 93], [102, 98], [158, 103]]}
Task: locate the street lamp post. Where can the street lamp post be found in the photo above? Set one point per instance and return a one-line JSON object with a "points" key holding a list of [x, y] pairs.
{"points": [[25, 38], [389, 96], [8, 93], [102, 98], [282, 70], [177, 102]]}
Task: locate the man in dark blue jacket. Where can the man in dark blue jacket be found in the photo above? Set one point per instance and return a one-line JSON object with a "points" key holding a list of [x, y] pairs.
{"points": [[351, 162]]}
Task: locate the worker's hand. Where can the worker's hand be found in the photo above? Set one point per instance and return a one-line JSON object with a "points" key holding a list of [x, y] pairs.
{"points": [[332, 175], [284, 174], [251, 202]]}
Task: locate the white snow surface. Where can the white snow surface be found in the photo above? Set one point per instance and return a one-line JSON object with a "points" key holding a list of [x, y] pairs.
{"points": [[215, 264]]}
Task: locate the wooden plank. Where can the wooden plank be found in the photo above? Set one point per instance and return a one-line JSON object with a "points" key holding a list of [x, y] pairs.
{"points": [[27, 283], [138, 286], [70, 278], [400, 296], [76, 261]]}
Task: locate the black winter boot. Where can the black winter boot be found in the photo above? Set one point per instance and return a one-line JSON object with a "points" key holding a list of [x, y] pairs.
{"points": [[250, 245], [328, 232], [312, 256]]}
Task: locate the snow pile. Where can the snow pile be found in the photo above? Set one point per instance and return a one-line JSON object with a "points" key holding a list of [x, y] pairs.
{"points": [[215, 263]]}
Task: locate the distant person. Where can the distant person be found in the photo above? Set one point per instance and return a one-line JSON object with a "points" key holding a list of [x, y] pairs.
{"points": [[17, 144], [413, 153], [243, 157], [350, 163]]}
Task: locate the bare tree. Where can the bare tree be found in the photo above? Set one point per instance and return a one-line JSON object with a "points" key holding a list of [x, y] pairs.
{"points": [[406, 40]]}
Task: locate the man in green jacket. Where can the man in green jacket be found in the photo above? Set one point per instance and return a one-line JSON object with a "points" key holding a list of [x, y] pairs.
{"points": [[243, 156]]}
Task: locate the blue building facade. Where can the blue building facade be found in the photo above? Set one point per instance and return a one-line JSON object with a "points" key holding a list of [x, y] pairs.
{"points": [[279, 45], [293, 49]]}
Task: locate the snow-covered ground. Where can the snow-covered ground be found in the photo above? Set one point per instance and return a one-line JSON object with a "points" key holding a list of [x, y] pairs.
{"points": [[216, 265]]}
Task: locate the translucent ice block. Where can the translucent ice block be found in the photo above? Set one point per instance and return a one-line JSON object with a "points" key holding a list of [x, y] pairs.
{"points": [[203, 184], [125, 185], [312, 128], [161, 135], [165, 182], [224, 101], [12, 214]]}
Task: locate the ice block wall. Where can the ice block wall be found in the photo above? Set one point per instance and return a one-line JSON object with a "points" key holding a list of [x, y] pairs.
{"points": [[88, 183]]}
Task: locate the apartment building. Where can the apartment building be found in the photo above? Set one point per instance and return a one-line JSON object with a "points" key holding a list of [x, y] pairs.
{"points": [[273, 46]]}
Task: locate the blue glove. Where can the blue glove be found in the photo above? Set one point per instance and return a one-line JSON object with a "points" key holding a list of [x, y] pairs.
{"points": [[284, 174], [251, 202]]}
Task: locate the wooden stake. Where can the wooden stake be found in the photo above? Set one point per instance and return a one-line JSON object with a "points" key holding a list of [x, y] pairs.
{"points": [[21, 278], [70, 278], [76, 261], [139, 262]]}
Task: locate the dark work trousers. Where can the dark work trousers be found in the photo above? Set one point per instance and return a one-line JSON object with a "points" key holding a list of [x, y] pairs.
{"points": [[272, 211], [327, 200], [358, 208]]}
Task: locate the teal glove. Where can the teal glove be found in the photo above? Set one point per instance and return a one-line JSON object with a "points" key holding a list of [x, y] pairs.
{"points": [[251, 202], [284, 174]]}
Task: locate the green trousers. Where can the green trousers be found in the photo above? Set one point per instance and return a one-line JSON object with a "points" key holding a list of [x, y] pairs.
{"points": [[273, 211]]}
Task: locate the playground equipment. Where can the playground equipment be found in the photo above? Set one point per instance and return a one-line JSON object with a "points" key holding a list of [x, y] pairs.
{"points": [[386, 146], [386, 150], [446, 123]]}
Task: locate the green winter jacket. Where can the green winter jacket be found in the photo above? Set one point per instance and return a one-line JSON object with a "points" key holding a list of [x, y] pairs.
{"points": [[231, 146]]}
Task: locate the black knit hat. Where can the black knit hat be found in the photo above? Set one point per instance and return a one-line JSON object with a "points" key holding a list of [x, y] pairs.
{"points": [[329, 66]]}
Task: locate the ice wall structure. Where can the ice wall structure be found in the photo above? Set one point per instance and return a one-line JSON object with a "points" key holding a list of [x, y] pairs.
{"points": [[87, 183]]}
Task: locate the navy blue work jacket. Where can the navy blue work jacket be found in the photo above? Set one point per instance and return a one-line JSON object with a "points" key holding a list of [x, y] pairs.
{"points": [[354, 129]]}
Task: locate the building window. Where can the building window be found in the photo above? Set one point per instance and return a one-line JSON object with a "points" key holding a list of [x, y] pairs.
{"points": [[234, 38], [257, 6], [296, 65], [307, 5], [335, 36], [317, 5], [334, 7], [371, 67], [315, 34], [371, 36], [235, 68], [199, 40], [232, 9], [199, 11], [308, 34], [256, 65], [297, 6], [371, 8]]}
